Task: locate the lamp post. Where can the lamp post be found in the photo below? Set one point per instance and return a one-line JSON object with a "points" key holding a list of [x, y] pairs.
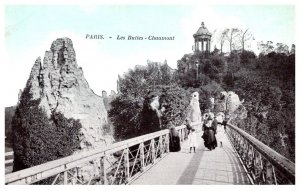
{"points": [[197, 64]]}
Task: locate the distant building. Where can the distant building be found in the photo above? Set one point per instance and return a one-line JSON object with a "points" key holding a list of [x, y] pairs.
{"points": [[202, 39]]}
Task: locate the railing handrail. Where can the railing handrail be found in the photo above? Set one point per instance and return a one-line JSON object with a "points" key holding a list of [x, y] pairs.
{"points": [[283, 164], [84, 156]]}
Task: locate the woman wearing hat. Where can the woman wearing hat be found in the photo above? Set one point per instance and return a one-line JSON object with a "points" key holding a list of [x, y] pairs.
{"points": [[209, 135]]}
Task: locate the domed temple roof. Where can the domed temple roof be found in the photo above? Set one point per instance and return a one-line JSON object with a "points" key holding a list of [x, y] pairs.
{"points": [[202, 31]]}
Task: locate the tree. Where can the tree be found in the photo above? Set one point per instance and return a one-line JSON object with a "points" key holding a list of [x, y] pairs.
{"points": [[244, 37], [38, 139], [265, 47], [222, 39], [131, 112], [231, 37], [282, 48], [125, 115]]}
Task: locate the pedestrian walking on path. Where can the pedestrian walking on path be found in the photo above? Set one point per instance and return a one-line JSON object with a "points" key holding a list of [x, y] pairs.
{"points": [[208, 136]]}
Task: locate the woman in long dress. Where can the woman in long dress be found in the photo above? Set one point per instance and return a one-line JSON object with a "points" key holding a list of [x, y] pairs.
{"points": [[220, 128], [174, 145], [209, 135]]}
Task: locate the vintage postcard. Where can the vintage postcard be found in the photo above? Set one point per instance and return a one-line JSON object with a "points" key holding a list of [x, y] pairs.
{"points": [[149, 94]]}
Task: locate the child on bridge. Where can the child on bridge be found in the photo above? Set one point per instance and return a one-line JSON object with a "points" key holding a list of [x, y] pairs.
{"points": [[192, 138]]}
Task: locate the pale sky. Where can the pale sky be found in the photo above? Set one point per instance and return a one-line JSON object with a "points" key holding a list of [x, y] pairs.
{"points": [[30, 31]]}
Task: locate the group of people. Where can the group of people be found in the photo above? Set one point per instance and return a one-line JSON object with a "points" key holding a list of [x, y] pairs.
{"points": [[213, 131]]}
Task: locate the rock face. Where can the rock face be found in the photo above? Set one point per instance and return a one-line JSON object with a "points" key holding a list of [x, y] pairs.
{"points": [[230, 104], [61, 86], [194, 113], [108, 99]]}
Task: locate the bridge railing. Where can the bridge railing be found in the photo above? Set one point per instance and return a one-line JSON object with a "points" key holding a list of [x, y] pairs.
{"points": [[120, 163], [264, 165]]}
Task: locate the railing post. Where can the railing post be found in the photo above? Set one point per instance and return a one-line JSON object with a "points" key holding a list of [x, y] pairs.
{"points": [[126, 163], [142, 156], [179, 134], [75, 176], [274, 174], [65, 177], [153, 151], [269, 173], [167, 143], [160, 146], [262, 168], [103, 169]]}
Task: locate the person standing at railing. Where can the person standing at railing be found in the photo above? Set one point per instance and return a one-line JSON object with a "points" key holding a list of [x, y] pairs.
{"points": [[192, 139], [174, 145], [188, 125], [225, 121]]}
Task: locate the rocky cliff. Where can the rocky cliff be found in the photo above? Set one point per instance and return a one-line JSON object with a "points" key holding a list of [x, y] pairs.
{"points": [[230, 104], [194, 112], [61, 86]]}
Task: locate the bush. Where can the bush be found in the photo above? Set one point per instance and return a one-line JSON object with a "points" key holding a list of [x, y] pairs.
{"points": [[133, 117], [247, 56], [38, 139], [175, 100], [125, 116]]}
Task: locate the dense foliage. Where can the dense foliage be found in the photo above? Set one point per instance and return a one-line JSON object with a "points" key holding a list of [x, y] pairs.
{"points": [[38, 139], [9, 113], [268, 87], [131, 112], [266, 83]]}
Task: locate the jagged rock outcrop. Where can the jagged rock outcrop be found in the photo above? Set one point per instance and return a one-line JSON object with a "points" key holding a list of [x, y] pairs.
{"points": [[107, 99], [230, 104], [61, 86], [194, 113]]}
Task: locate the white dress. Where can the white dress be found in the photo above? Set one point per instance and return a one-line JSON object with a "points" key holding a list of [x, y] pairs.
{"points": [[192, 138], [220, 133]]}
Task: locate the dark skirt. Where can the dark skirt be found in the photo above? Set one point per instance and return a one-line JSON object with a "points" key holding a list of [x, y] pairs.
{"points": [[174, 144], [209, 138]]}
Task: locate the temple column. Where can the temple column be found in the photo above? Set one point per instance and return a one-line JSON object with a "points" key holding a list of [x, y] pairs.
{"points": [[206, 44], [202, 43]]}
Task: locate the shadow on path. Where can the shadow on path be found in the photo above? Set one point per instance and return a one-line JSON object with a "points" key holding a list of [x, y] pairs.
{"points": [[189, 173]]}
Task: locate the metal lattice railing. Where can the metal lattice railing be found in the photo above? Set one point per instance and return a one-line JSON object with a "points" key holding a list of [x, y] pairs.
{"points": [[264, 165], [119, 163]]}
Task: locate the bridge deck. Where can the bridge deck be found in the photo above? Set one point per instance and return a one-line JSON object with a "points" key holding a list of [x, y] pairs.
{"points": [[220, 166]]}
